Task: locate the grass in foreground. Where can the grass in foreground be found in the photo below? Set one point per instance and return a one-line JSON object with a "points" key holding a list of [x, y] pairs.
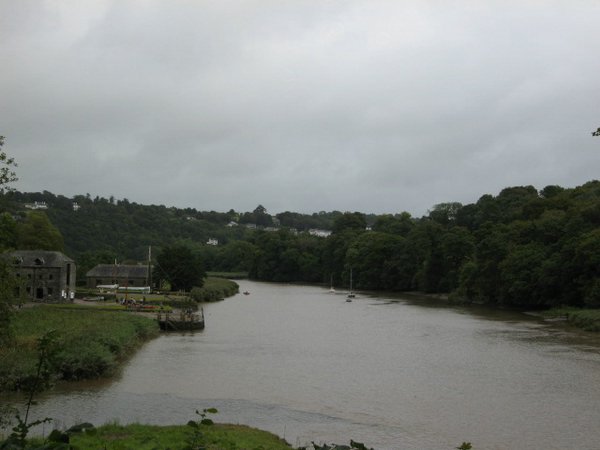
{"points": [[150, 437]]}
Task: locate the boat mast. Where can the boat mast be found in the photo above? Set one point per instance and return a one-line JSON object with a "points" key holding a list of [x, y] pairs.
{"points": [[149, 274]]}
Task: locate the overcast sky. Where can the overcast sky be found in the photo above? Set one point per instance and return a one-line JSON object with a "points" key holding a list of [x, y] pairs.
{"points": [[371, 106]]}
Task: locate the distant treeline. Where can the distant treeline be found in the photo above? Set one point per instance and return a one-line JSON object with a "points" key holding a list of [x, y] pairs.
{"points": [[523, 247]]}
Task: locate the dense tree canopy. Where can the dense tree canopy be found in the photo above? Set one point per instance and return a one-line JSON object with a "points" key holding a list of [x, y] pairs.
{"points": [[522, 247], [180, 267], [38, 233]]}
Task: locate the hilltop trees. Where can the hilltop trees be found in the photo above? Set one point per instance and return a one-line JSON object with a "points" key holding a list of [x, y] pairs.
{"points": [[522, 247]]}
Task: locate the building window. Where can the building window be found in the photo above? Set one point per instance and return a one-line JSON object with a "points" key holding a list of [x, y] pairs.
{"points": [[50, 291], [39, 293], [51, 277], [39, 261]]}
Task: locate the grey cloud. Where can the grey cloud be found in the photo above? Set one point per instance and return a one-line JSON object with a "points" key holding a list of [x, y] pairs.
{"points": [[377, 106]]}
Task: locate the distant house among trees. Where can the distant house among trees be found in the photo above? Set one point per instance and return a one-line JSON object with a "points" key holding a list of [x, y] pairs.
{"points": [[36, 205], [319, 233], [124, 275], [44, 276]]}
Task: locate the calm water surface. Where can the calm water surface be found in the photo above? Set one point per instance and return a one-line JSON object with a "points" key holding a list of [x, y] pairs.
{"points": [[393, 373]]}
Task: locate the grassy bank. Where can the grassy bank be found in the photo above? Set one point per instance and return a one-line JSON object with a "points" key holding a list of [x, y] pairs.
{"points": [[586, 319], [149, 437], [90, 342], [214, 289]]}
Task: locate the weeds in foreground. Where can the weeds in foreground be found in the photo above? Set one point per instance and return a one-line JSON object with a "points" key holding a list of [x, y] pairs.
{"points": [[196, 441], [46, 347]]}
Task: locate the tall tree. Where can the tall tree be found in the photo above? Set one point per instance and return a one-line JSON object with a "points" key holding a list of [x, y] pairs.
{"points": [[38, 233], [7, 175], [350, 221], [179, 266], [8, 232], [8, 281]]}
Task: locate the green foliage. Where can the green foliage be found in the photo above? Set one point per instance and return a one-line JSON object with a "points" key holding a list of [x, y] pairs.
{"points": [[7, 175], [521, 247], [235, 256], [587, 319], [8, 232], [40, 380], [91, 343], [304, 222], [38, 233], [350, 221], [149, 437], [197, 440], [8, 284], [180, 267], [400, 224], [283, 256], [214, 289]]}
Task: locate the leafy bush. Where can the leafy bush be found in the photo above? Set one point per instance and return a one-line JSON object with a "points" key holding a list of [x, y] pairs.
{"points": [[214, 289], [91, 342]]}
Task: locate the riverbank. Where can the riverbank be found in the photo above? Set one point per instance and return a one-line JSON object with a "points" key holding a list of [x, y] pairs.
{"points": [[89, 343], [150, 437], [586, 319], [92, 338]]}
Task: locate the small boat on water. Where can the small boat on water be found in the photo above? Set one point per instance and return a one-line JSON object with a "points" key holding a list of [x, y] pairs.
{"points": [[351, 294], [185, 321]]}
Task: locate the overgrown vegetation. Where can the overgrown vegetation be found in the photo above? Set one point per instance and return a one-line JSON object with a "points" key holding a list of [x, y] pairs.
{"points": [[148, 437], [214, 289], [585, 319], [91, 343]]}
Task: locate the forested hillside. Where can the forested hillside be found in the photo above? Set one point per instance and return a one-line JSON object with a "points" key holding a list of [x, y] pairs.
{"points": [[521, 247]]}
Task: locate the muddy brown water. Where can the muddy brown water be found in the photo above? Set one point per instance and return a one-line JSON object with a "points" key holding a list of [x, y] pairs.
{"points": [[392, 372]]}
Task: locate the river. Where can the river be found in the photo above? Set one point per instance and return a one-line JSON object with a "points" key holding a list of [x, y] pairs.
{"points": [[395, 373]]}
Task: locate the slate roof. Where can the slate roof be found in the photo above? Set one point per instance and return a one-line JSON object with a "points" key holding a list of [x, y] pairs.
{"points": [[118, 271], [27, 258]]}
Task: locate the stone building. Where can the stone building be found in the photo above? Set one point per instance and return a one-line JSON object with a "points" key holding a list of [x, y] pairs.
{"points": [[124, 275], [44, 276]]}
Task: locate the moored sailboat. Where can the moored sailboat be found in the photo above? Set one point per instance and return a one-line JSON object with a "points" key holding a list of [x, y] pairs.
{"points": [[351, 294]]}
